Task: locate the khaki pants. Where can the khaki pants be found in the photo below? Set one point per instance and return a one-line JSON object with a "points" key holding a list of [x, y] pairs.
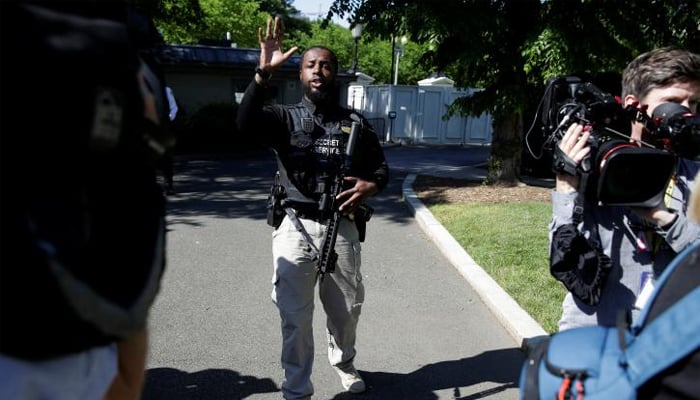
{"points": [[341, 293]]}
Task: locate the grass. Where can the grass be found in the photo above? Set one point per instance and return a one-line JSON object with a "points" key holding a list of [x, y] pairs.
{"points": [[510, 242]]}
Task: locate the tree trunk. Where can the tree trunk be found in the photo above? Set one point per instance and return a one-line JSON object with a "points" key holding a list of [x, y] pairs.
{"points": [[506, 147]]}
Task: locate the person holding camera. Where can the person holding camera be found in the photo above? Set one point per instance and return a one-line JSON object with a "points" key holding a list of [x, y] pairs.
{"points": [[634, 243], [308, 139]]}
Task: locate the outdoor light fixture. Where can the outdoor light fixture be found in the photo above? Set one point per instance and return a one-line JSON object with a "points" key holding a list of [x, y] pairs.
{"points": [[399, 52], [356, 33]]}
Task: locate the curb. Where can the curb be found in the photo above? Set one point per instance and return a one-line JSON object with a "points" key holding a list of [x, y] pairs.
{"points": [[519, 324]]}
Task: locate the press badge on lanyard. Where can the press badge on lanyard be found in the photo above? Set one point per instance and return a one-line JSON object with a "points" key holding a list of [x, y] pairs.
{"points": [[646, 287]]}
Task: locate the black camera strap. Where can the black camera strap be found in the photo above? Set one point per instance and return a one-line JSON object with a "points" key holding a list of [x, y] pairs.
{"points": [[576, 260], [579, 203], [563, 164], [580, 199]]}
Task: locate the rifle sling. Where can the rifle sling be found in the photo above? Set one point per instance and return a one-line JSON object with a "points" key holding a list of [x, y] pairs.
{"points": [[300, 227]]}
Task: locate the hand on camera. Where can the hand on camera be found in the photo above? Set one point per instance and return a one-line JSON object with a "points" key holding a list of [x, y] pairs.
{"points": [[574, 145], [659, 215]]}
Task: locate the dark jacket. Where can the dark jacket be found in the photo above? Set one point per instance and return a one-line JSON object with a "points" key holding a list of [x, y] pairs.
{"points": [[302, 149]]}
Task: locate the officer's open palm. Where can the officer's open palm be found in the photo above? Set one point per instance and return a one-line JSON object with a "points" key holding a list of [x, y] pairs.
{"points": [[271, 54]]}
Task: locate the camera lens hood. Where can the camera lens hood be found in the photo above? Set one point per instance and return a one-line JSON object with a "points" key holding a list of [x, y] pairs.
{"points": [[632, 176]]}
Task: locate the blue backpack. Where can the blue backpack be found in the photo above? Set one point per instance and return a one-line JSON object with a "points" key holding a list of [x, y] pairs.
{"points": [[658, 355]]}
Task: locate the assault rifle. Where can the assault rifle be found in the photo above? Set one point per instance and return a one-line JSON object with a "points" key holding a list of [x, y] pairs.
{"points": [[328, 257]]}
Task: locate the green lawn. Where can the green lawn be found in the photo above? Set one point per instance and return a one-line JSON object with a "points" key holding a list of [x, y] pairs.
{"points": [[509, 241]]}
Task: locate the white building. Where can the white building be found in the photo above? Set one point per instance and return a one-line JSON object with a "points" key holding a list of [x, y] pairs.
{"points": [[414, 114]]}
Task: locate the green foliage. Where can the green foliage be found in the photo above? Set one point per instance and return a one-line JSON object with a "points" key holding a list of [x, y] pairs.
{"points": [[374, 54], [375, 60], [412, 65], [543, 58], [509, 48], [177, 12], [294, 23], [189, 21], [510, 242], [241, 18], [333, 36]]}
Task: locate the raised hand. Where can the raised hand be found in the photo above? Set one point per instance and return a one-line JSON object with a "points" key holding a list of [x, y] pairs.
{"points": [[271, 54]]}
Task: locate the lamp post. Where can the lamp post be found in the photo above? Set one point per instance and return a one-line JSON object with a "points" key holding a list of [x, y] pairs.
{"points": [[356, 33], [399, 52]]}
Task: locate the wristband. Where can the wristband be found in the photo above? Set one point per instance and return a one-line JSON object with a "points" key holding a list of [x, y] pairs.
{"points": [[263, 74]]}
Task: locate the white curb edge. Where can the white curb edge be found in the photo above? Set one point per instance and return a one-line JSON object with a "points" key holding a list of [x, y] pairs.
{"points": [[519, 324]]}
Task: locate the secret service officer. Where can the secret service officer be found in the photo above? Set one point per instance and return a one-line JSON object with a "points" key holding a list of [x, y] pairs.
{"points": [[308, 138]]}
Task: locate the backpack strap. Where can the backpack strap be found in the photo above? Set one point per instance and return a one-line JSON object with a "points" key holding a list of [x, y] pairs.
{"points": [[674, 265], [669, 337]]}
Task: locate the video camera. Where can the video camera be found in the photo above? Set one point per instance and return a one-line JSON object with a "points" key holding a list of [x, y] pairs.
{"points": [[619, 171]]}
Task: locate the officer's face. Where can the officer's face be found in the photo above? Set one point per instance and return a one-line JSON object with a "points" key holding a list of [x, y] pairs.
{"points": [[317, 74]]}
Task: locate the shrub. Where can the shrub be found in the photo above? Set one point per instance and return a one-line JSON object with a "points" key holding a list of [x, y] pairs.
{"points": [[211, 130]]}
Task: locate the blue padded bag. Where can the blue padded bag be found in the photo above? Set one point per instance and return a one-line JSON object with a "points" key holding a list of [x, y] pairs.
{"points": [[613, 362]]}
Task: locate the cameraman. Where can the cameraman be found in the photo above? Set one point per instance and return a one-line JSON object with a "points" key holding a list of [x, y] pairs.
{"points": [[639, 241]]}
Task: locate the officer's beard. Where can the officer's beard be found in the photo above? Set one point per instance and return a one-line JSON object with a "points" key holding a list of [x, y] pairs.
{"points": [[317, 96]]}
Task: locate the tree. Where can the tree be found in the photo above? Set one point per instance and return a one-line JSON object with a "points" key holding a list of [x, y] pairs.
{"points": [[191, 21], [183, 12], [213, 19], [374, 55], [480, 43], [510, 47], [332, 36], [294, 23]]}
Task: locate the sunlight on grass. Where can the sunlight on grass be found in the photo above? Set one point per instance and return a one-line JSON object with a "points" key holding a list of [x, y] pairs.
{"points": [[510, 242]]}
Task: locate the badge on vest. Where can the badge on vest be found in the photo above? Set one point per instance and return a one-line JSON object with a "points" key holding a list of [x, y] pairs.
{"points": [[345, 126], [646, 288], [307, 124]]}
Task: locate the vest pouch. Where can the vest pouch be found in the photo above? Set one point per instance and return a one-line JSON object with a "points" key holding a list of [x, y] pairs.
{"points": [[275, 211], [362, 214]]}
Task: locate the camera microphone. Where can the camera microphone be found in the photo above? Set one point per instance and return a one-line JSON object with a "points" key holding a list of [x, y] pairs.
{"points": [[679, 129], [666, 110]]}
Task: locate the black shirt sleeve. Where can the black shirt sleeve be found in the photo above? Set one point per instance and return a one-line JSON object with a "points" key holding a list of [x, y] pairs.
{"points": [[264, 123]]}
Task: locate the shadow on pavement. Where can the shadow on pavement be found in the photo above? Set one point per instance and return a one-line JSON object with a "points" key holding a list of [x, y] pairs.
{"points": [[215, 384], [421, 383], [238, 188], [209, 384]]}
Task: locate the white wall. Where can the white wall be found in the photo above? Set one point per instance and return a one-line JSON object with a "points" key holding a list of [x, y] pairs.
{"points": [[419, 111]]}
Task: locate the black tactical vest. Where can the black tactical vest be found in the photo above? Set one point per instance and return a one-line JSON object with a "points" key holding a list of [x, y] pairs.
{"points": [[314, 154]]}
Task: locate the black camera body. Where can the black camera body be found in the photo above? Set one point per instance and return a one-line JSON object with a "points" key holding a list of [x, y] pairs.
{"points": [[618, 171]]}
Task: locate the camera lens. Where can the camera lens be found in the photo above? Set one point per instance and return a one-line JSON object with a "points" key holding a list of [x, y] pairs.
{"points": [[631, 175]]}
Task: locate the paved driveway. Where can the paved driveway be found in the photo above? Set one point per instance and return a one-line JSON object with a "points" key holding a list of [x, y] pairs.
{"points": [[424, 332]]}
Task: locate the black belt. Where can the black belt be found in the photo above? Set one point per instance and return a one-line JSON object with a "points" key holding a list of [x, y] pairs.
{"points": [[309, 211], [314, 215]]}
